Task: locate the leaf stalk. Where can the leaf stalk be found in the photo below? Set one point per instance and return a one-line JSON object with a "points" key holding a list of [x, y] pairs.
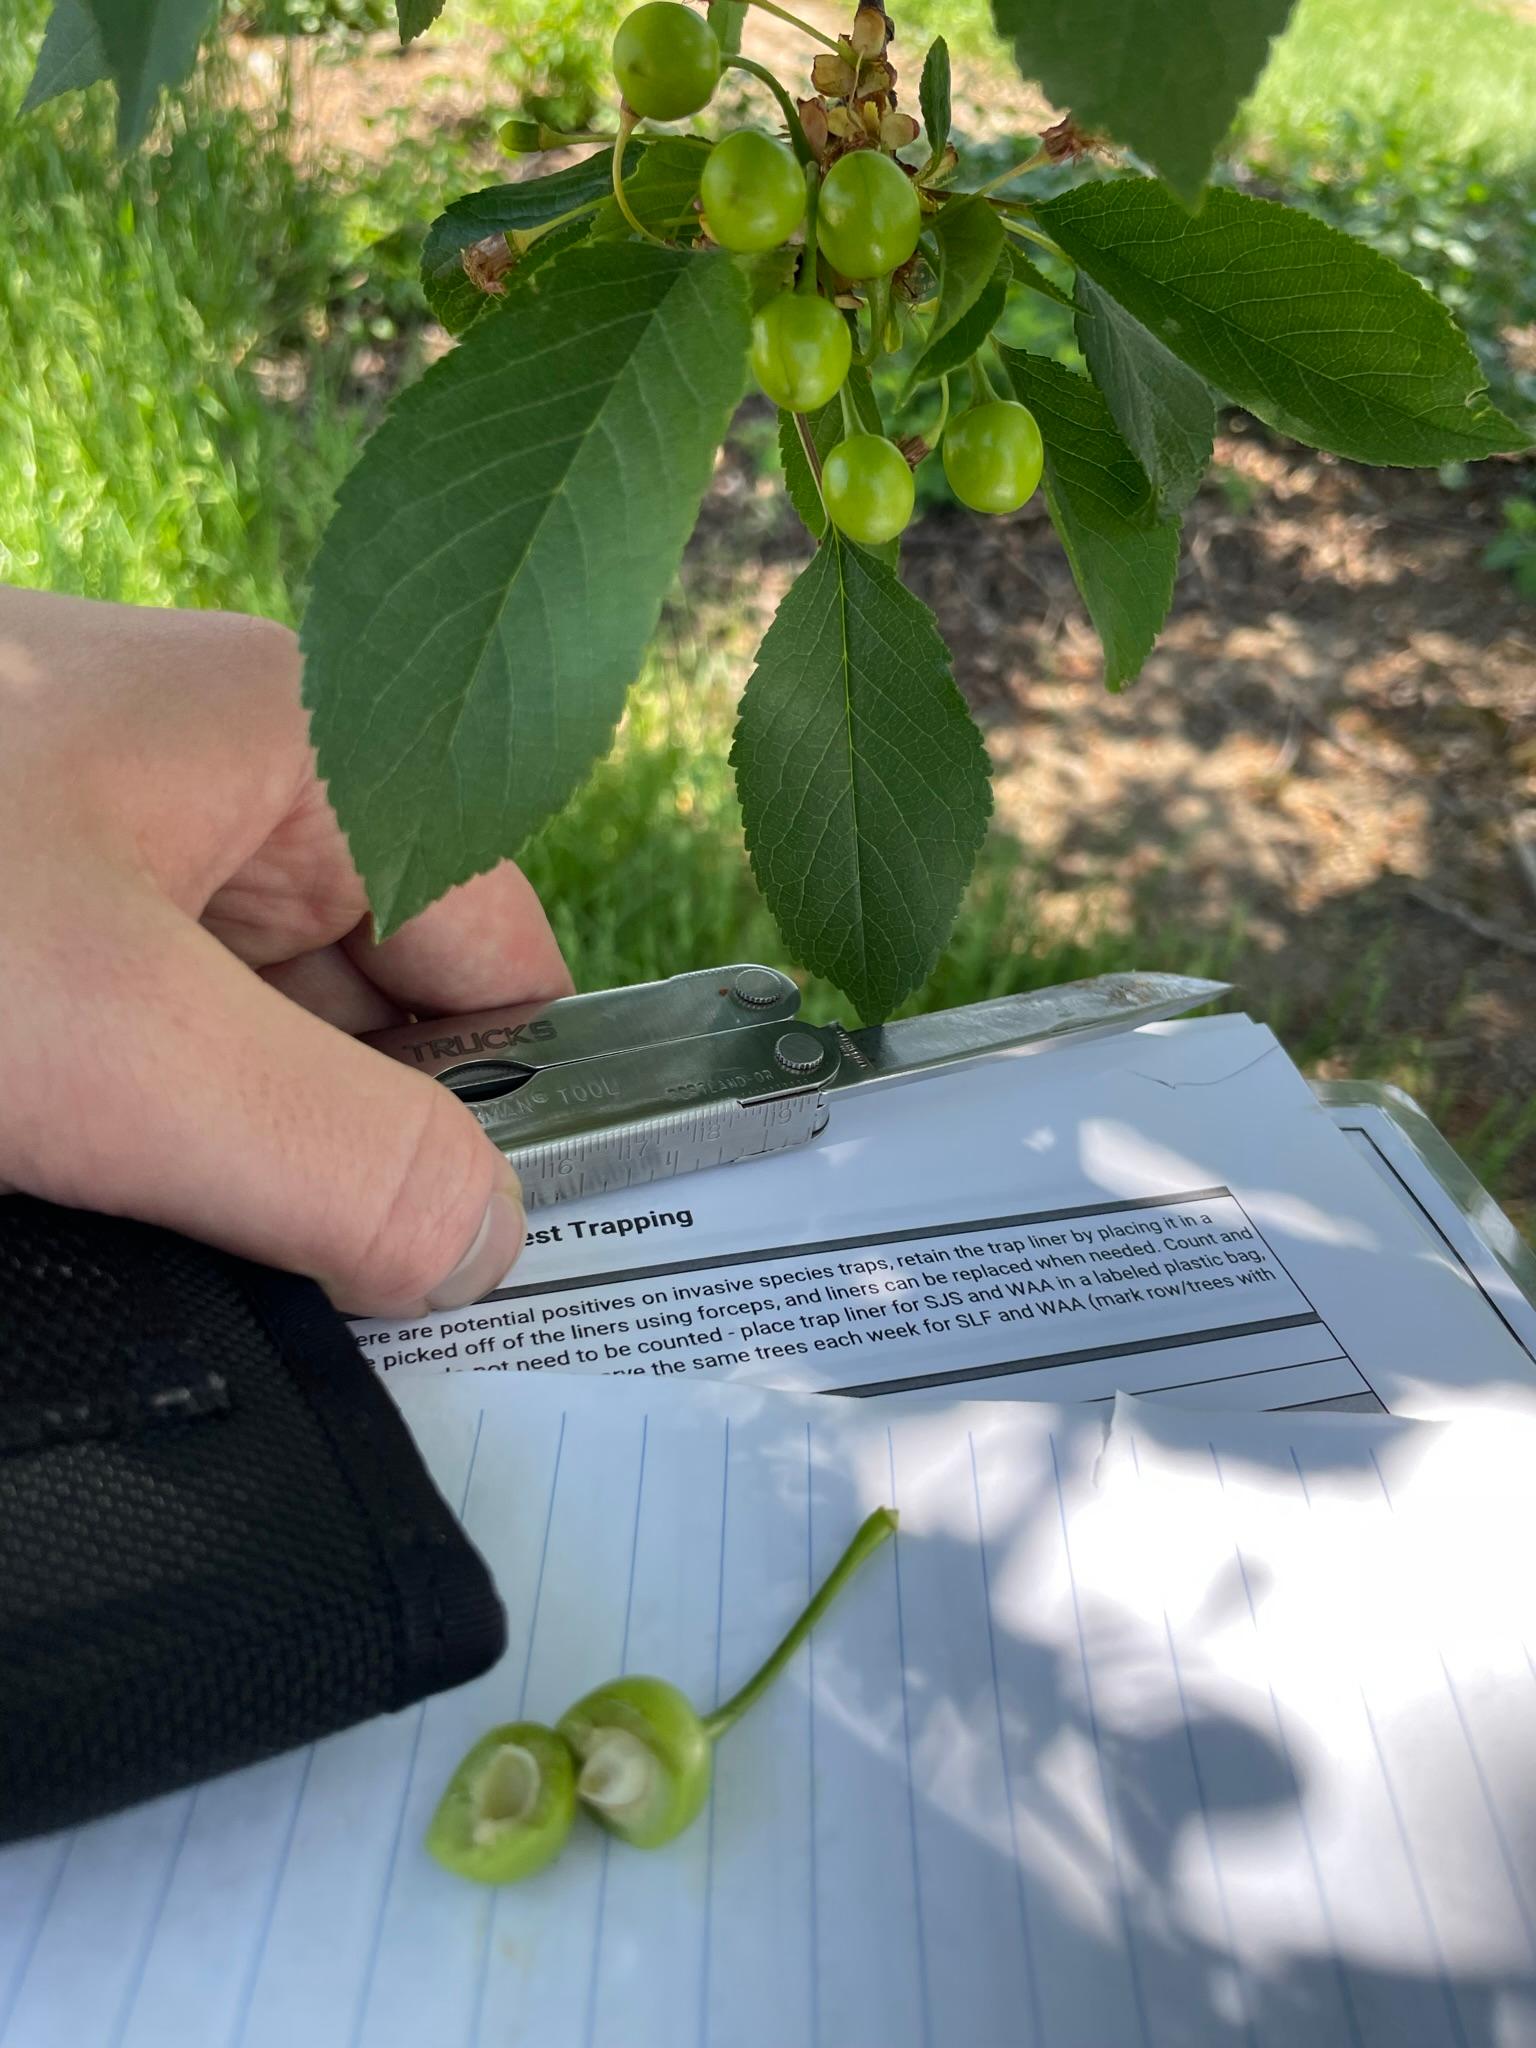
{"points": [[523, 239], [1019, 227]]}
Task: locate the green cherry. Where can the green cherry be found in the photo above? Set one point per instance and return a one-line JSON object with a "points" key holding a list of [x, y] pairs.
{"points": [[646, 1756], [868, 218], [993, 456], [666, 59], [509, 1806], [753, 192], [868, 488], [801, 350]]}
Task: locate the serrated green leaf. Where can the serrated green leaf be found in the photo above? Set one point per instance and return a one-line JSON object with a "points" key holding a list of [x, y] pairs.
{"points": [[1028, 273], [71, 55], [1316, 334], [950, 351], [1161, 407], [1123, 556], [502, 209], [1164, 76], [662, 190], [862, 777], [416, 16], [768, 272], [826, 430], [933, 96], [146, 45], [499, 556], [726, 18], [973, 283]]}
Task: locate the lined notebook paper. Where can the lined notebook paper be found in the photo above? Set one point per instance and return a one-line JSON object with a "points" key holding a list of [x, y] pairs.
{"points": [[1065, 1765]]}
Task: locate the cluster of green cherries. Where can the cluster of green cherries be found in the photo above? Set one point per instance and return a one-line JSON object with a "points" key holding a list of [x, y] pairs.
{"points": [[635, 1753], [864, 217]]}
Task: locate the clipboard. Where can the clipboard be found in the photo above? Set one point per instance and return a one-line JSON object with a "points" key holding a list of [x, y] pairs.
{"points": [[1370, 1110]]}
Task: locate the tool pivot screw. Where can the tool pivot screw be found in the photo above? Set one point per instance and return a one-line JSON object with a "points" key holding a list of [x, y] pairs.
{"points": [[797, 1052], [756, 988]]}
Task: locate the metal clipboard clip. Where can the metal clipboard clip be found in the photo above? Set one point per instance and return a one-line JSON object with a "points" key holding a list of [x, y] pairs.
{"points": [[629, 1085]]}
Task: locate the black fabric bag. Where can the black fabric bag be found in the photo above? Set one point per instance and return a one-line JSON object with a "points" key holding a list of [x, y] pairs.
{"points": [[217, 1540]]}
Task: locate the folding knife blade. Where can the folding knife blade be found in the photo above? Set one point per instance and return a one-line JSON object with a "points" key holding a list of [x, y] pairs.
{"points": [[1076, 1009]]}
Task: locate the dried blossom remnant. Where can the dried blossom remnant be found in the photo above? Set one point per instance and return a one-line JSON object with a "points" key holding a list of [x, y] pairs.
{"points": [[871, 31], [813, 119], [914, 448], [486, 264], [1066, 141], [831, 73]]}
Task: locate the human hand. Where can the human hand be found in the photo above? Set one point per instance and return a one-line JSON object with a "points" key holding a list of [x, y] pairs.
{"points": [[183, 933]]}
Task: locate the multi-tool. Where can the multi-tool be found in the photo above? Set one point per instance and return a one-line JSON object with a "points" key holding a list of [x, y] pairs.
{"points": [[629, 1085]]}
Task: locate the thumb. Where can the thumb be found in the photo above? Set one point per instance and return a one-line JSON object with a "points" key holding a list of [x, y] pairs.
{"points": [[239, 1118]]}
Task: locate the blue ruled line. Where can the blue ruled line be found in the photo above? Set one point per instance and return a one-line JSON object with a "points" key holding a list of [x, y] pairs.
{"points": [[1426, 1911], [924, 2004], [1037, 2029], [589, 2031], [365, 1989], [1098, 1749], [810, 1730], [488, 1918], [709, 1852], [538, 1584], [246, 2000], [1346, 1996], [1205, 1811], [152, 1925], [1511, 1871], [29, 1950]]}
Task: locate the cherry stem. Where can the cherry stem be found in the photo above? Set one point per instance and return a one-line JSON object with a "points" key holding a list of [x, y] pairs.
{"points": [[813, 459], [627, 120], [981, 390], [850, 417], [783, 13], [871, 1533], [936, 431], [797, 137], [1036, 162], [805, 283]]}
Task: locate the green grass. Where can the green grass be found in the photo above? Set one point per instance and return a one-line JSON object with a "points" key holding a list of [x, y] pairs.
{"points": [[1459, 76], [135, 450], [178, 334]]}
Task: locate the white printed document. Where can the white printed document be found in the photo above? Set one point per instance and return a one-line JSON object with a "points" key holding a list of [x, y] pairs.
{"points": [[1166, 1209], [1152, 1729]]}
